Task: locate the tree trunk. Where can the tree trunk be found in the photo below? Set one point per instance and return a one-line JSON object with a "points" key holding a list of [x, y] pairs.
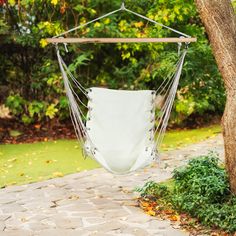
{"points": [[220, 22]]}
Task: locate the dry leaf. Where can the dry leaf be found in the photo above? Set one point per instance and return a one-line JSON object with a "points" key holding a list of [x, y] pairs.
{"points": [[48, 161], [58, 174], [151, 213], [73, 197]]}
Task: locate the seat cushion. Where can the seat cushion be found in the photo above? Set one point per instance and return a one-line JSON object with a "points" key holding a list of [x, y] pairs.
{"points": [[120, 128]]}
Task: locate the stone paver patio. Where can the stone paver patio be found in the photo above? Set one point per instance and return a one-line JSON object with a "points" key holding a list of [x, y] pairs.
{"points": [[93, 202]]}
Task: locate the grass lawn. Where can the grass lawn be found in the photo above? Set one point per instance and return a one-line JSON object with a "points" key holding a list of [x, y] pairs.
{"points": [[179, 138], [25, 163]]}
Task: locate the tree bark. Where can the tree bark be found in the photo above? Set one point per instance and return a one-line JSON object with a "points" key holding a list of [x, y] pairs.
{"points": [[219, 20]]}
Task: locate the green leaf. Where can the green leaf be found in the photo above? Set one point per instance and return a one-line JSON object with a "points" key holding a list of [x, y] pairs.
{"points": [[51, 111]]}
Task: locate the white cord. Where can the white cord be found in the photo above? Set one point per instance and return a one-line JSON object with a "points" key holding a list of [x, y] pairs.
{"points": [[122, 8]]}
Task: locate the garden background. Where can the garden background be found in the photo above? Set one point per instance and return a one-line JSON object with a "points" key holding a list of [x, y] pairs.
{"points": [[37, 140], [33, 104], [31, 85]]}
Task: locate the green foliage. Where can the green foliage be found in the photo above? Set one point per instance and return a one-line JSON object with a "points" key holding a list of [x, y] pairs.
{"points": [[201, 189], [15, 103], [202, 178], [152, 188], [51, 111], [36, 108], [62, 107], [234, 5], [29, 67], [29, 112]]}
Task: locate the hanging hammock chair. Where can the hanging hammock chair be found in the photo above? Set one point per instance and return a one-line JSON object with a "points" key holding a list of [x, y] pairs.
{"points": [[122, 130]]}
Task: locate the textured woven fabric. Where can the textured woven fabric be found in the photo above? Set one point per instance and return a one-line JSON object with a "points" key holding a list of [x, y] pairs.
{"points": [[120, 128]]}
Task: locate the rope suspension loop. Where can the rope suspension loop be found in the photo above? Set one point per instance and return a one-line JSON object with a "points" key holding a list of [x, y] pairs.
{"points": [[122, 8]]}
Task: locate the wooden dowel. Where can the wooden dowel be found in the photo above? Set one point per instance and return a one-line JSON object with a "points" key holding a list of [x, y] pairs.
{"points": [[121, 40]]}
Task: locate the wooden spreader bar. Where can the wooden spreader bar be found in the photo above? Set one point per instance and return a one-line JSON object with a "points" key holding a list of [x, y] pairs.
{"points": [[121, 40]]}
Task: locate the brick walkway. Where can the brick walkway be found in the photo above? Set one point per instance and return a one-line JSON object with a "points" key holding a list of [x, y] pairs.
{"points": [[91, 203]]}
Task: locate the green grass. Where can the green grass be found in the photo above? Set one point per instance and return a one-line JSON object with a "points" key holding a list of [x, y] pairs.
{"points": [[25, 163], [179, 138]]}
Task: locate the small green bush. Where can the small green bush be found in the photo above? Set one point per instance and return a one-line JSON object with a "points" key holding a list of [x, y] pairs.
{"points": [[202, 190], [202, 178]]}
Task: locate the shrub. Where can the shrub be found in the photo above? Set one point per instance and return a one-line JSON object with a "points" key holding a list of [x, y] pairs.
{"points": [[203, 178], [202, 190]]}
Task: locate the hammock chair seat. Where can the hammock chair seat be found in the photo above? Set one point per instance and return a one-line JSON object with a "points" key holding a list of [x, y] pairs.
{"points": [[120, 127]]}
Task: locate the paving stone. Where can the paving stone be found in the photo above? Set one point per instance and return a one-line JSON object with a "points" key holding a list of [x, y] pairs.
{"points": [[38, 204], [108, 206], [138, 218], [135, 231], [16, 233], [106, 227], [133, 210], [47, 211], [7, 200], [77, 207], [88, 214], [96, 233], [158, 224], [38, 217], [64, 202], [68, 223], [84, 195], [36, 226], [60, 232], [2, 226], [171, 232], [99, 201], [93, 220], [13, 222], [116, 214], [4, 217], [13, 189]]}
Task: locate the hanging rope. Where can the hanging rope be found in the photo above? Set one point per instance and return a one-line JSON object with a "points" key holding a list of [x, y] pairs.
{"points": [[122, 8], [166, 110]]}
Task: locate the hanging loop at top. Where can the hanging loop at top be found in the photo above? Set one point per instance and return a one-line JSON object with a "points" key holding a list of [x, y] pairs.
{"points": [[123, 6], [127, 10]]}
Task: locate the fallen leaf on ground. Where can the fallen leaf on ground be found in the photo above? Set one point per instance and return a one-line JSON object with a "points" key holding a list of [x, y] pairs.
{"points": [[37, 126], [58, 174], [73, 197], [151, 213], [49, 161], [174, 218], [12, 160]]}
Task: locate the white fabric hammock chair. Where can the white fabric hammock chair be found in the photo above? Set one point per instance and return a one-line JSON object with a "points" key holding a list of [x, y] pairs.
{"points": [[122, 130]]}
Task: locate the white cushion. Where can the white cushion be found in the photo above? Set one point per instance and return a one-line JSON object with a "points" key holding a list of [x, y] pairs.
{"points": [[120, 127]]}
